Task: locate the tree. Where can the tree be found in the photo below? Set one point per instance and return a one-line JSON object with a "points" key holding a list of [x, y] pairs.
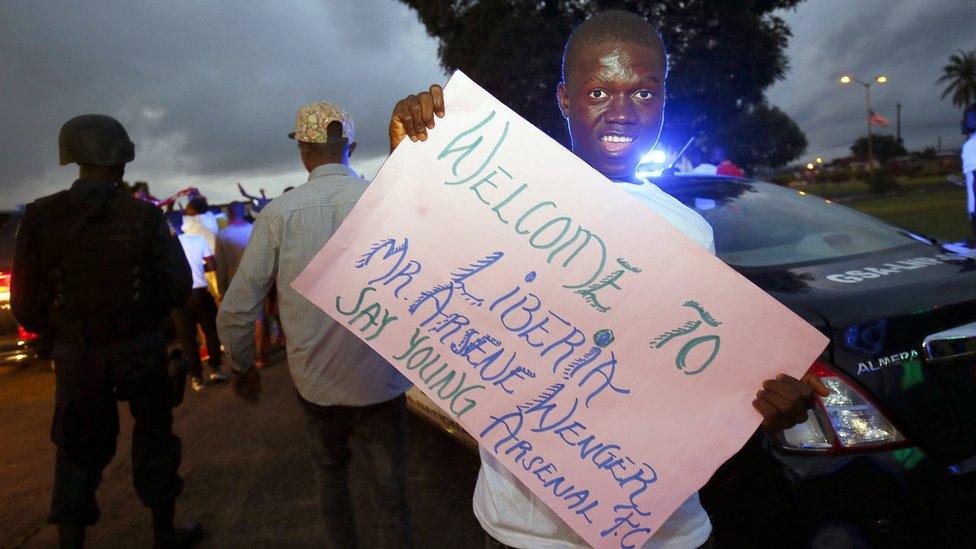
{"points": [[723, 56], [749, 138], [886, 147], [960, 73]]}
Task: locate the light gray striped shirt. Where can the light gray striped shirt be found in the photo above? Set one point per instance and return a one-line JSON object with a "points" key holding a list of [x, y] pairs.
{"points": [[330, 365]]}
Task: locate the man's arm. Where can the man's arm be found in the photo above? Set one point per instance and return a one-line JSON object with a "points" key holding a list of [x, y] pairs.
{"points": [[210, 272], [209, 261], [27, 300], [971, 192], [221, 265], [250, 197], [244, 298], [168, 262]]}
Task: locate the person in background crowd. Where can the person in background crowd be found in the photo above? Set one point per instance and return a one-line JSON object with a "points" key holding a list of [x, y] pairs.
{"points": [[702, 167], [614, 72], [724, 165], [199, 220], [199, 310], [189, 193], [969, 163], [257, 202], [97, 271], [140, 191], [353, 399], [231, 242]]}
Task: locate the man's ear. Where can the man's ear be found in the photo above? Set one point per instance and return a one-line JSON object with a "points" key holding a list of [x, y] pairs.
{"points": [[562, 98], [352, 148]]}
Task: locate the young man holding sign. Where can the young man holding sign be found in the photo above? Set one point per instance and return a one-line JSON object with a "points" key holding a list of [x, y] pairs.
{"points": [[612, 95]]}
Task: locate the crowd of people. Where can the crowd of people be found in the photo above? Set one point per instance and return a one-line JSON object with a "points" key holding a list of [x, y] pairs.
{"points": [[213, 240], [108, 345]]}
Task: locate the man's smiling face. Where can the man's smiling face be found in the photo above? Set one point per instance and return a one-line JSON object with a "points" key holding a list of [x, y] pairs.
{"points": [[613, 98]]}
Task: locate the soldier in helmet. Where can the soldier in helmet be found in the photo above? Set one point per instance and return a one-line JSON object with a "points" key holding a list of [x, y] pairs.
{"points": [[969, 161], [96, 271]]}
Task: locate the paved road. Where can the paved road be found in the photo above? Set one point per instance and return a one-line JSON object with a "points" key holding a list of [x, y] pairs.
{"points": [[248, 476]]}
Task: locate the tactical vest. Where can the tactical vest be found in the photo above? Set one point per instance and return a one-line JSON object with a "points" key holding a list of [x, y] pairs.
{"points": [[95, 249]]}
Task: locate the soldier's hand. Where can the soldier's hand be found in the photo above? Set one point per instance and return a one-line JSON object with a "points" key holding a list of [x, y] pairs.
{"points": [[414, 115], [248, 386]]}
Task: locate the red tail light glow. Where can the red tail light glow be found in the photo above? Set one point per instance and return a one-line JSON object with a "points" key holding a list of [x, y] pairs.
{"points": [[24, 335]]}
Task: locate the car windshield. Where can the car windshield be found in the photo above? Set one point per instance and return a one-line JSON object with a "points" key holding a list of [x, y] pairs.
{"points": [[760, 224]]}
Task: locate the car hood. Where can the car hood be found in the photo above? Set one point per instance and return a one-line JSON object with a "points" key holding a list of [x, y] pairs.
{"points": [[877, 309], [874, 285]]}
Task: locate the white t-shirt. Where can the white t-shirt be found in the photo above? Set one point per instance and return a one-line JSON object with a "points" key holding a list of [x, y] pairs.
{"points": [[510, 513], [205, 225], [196, 249], [968, 165]]}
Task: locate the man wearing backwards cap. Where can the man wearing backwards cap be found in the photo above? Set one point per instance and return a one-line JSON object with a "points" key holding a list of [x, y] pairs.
{"points": [[353, 399]]}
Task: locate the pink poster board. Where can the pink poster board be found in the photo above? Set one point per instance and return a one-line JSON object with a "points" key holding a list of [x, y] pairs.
{"points": [[600, 355]]}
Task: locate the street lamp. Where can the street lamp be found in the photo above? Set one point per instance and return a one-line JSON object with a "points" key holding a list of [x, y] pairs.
{"points": [[880, 79], [819, 160]]}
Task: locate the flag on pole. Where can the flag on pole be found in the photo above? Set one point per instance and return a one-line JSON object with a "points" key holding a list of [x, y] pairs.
{"points": [[876, 119]]}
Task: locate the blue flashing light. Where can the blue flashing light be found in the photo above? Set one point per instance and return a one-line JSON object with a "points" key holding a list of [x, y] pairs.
{"points": [[654, 156]]}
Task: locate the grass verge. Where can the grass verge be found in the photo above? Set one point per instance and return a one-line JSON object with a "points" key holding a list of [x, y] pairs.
{"points": [[940, 214]]}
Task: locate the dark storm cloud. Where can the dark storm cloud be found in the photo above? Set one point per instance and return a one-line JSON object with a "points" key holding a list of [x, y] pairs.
{"points": [[208, 90], [907, 40]]}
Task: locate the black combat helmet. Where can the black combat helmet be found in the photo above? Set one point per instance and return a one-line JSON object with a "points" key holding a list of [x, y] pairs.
{"points": [[95, 139], [969, 119]]}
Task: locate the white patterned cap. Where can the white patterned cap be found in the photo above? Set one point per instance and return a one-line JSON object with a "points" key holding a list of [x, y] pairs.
{"points": [[313, 119]]}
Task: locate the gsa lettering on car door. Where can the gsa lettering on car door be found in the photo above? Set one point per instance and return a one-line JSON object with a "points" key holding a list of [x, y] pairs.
{"points": [[895, 267]]}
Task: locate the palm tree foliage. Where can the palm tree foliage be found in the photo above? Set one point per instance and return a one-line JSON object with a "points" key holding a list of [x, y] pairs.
{"points": [[960, 74]]}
